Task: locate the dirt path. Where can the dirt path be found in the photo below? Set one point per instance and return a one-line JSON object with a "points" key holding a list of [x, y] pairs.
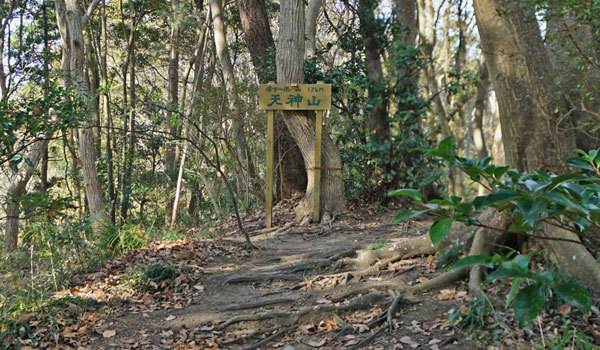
{"points": [[231, 286]]}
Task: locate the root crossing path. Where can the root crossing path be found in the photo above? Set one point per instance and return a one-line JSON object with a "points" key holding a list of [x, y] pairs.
{"points": [[333, 286]]}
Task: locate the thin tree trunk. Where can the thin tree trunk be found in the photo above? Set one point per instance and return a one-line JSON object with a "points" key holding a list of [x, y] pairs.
{"points": [[108, 119], [16, 189], [378, 121], [237, 125], [312, 14], [130, 135]]}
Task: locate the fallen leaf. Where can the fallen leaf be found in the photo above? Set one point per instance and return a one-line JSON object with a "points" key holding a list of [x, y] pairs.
{"points": [[109, 333], [170, 318], [564, 309], [408, 341], [422, 279], [316, 344]]}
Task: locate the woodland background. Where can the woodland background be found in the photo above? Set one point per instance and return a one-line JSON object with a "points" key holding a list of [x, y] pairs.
{"points": [[123, 122]]}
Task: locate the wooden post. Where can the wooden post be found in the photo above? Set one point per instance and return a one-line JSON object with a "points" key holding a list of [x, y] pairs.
{"points": [[317, 171], [269, 174], [294, 97]]}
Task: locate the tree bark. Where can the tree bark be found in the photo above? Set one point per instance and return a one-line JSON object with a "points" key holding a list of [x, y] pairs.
{"points": [[534, 118], [378, 121], [71, 22], [290, 65], [16, 188], [312, 14], [174, 128], [237, 125], [257, 32]]}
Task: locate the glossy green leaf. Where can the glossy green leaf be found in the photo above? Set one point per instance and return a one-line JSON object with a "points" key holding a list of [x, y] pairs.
{"points": [[513, 291], [499, 197], [407, 214], [575, 295], [529, 303], [439, 230], [471, 260], [412, 193]]}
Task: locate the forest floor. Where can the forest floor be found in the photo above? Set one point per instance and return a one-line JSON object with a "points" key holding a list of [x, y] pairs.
{"points": [[207, 293]]}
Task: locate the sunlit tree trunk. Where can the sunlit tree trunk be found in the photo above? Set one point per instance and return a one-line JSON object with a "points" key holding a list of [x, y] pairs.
{"points": [[71, 22], [237, 124], [312, 14], [290, 65], [259, 40]]}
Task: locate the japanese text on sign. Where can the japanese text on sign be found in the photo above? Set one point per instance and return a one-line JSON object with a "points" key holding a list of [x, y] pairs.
{"points": [[294, 97]]}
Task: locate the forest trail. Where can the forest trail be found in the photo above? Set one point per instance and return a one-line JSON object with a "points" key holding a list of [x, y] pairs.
{"points": [[185, 312]]}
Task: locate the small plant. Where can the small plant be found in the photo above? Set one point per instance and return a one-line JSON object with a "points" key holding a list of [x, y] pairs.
{"points": [[159, 272], [448, 257], [473, 313]]}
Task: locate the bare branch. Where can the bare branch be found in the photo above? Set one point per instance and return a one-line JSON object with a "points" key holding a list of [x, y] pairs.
{"points": [[89, 12]]}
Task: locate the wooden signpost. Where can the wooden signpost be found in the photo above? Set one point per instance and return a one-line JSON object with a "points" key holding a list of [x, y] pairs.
{"points": [[277, 97]]}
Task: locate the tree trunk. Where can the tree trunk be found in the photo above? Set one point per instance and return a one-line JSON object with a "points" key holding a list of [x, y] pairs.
{"points": [[71, 22], [312, 14], [481, 98], [573, 52], [290, 65], [259, 40], [237, 125], [378, 121], [16, 188], [107, 120], [536, 131], [174, 128]]}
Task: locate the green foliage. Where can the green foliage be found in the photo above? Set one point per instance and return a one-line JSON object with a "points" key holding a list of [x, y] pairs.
{"points": [[448, 257], [24, 121], [473, 314], [570, 201], [372, 165]]}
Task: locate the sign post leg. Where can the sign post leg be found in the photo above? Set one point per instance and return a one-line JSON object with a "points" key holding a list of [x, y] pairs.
{"points": [[269, 175], [317, 171]]}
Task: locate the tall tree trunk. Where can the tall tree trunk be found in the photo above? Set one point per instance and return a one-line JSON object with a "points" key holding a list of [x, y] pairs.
{"points": [[259, 40], [107, 119], [237, 125], [70, 23], [536, 129], [174, 128], [312, 14], [290, 69], [94, 85], [378, 121], [129, 140], [428, 39], [481, 98]]}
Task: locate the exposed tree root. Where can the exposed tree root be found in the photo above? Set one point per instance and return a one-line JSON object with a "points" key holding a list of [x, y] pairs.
{"points": [[574, 259], [257, 304], [263, 277], [270, 339], [434, 283], [485, 242], [287, 318]]}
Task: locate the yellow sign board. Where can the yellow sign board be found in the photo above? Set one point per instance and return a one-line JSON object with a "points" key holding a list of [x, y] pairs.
{"points": [[294, 97]]}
